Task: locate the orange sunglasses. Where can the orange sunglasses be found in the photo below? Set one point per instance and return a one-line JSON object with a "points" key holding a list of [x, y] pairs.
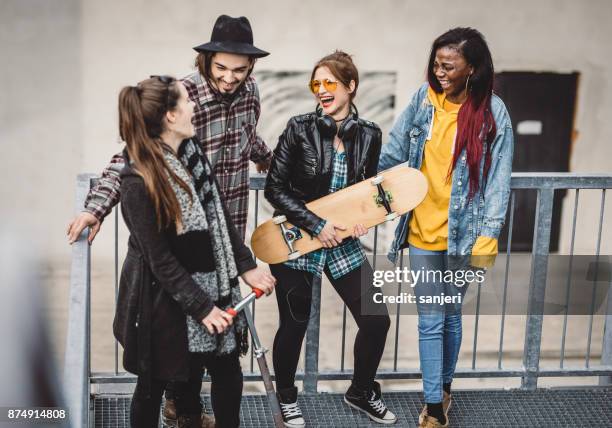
{"points": [[329, 85]]}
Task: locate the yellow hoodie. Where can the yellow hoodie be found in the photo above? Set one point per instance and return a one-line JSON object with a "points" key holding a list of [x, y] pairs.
{"points": [[429, 222]]}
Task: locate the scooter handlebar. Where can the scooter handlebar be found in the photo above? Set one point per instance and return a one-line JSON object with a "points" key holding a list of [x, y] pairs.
{"points": [[235, 310]]}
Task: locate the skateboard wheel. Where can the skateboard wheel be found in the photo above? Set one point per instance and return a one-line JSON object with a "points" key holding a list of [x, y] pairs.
{"points": [[279, 219], [377, 180], [294, 255], [391, 216]]}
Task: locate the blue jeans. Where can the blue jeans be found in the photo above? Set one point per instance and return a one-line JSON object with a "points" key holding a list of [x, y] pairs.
{"points": [[439, 325]]}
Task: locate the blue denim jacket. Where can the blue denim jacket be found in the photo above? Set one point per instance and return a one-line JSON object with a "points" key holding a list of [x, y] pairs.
{"points": [[485, 213]]}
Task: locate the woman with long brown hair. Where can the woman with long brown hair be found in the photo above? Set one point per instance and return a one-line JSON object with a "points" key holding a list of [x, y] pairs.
{"points": [[182, 265]]}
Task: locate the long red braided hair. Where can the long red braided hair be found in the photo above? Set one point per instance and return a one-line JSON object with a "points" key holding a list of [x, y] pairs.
{"points": [[475, 123]]}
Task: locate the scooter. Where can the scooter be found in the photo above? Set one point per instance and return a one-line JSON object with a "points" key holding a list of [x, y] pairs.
{"points": [[260, 353]]}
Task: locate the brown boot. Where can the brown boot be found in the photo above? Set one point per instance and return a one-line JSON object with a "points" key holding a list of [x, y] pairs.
{"points": [[169, 416], [208, 421], [447, 400], [423, 417], [169, 413], [189, 421], [431, 422]]}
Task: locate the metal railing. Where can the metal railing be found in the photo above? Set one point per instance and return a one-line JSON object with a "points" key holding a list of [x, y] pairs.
{"points": [[77, 356], [78, 376]]}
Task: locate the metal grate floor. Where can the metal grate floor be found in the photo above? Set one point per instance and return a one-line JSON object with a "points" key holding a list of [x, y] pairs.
{"points": [[513, 408]]}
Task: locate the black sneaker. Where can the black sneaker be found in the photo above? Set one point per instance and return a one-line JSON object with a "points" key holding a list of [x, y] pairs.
{"points": [[292, 415], [370, 402]]}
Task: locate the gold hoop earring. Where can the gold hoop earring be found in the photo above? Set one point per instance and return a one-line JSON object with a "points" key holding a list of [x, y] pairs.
{"points": [[467, 81]]}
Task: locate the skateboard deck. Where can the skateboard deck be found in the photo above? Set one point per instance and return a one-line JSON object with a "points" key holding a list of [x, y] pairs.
{"points": [[382, 198]]}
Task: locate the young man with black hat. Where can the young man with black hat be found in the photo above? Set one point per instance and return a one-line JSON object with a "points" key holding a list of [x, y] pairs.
{"points": [[226, 112], [225, 117]]}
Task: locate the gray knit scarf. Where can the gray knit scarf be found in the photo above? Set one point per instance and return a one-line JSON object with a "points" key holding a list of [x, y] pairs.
{"points": [[206, 213]]}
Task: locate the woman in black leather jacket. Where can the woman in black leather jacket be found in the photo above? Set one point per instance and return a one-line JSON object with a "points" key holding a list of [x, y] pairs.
{"points": [[319, 153]]}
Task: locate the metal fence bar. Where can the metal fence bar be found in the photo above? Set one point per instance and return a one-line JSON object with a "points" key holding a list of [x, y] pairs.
{"points": [[537, 288], [606, 351], [597, 253], [256, 209], [375, 247], [477, 317], [116, 281], [311, 366], [506, 273], [388, 374], [343, 337], [569, 282], [88, 317], [397, 315], [606, 347], [253, 303], [560, 180], [76, 361]]}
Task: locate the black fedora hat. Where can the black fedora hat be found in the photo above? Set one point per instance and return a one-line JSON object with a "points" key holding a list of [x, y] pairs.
{"points": [[232, 35]]}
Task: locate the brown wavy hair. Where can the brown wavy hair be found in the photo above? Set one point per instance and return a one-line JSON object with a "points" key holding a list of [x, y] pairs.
{"points": [[142, 109], [341, 65], [203, 63]]}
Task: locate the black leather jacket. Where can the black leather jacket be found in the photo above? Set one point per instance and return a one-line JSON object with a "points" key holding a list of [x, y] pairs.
{"points": [[301, 168]]}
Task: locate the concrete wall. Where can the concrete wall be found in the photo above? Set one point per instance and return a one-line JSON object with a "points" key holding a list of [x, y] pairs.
{"points": [[40, 114], [68, 61]]}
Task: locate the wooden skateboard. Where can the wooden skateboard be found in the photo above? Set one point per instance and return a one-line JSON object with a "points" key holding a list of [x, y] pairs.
{"points": [[390, 194]]}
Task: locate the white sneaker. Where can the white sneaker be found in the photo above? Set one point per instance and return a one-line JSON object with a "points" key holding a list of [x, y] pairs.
{"points": [[291, 412]]}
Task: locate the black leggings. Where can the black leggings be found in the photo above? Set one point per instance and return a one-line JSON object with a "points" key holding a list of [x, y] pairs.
{"points": [[294, 294], [225, 393]]}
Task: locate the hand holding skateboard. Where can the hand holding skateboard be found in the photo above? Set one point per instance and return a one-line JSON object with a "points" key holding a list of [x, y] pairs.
{"points": [[348, 212], [328, 236]]}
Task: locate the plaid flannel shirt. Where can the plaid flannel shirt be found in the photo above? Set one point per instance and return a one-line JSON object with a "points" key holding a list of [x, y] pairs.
{"points": [[347, 256], [226, 130]]}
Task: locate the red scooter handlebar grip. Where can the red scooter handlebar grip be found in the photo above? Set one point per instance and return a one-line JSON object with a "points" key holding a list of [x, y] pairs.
{"points": [[258, 292], [232, 312]]}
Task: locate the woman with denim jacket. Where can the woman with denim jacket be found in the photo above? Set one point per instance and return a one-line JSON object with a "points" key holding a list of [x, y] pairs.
{"points": [[459, 134]]}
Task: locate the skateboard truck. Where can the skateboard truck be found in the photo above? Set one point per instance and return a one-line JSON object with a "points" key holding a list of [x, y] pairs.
{"points": [[290, 235], [383, 197]]}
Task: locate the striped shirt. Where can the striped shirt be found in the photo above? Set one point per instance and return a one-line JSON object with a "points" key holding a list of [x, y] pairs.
{"points": [[226, 130], [347, 256]]}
